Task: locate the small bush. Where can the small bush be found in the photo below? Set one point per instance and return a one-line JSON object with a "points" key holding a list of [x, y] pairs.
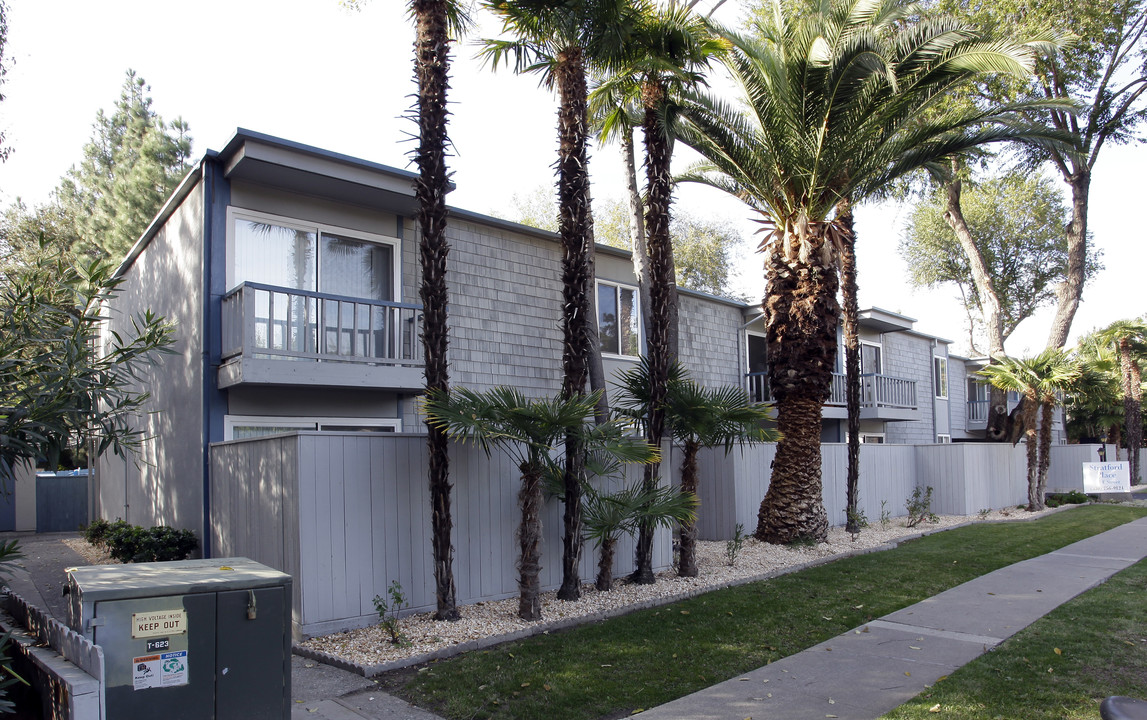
{"points": [[133, 544], [388, 613], [733, 547], [919, 507], [1074, 497]]}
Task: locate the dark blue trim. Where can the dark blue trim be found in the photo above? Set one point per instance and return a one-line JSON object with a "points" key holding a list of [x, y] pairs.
{"points": [[216, 198]]}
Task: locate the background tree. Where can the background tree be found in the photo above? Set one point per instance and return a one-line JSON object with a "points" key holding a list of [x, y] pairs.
{"points": [[1016, 222], [561, 41], [4, 63], [132, 163], [55, 390], [833, 103], [1094, 407], [1103, 74]]}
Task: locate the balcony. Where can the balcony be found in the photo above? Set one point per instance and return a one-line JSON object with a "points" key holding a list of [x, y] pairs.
{"points": [[882, 397], [281, 336], [978, 414]]}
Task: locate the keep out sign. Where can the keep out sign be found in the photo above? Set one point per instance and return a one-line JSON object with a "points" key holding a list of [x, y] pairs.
{"points": [[160, 622]]}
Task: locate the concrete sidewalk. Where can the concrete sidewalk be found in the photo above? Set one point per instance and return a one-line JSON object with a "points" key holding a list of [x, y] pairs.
{"points": [[870, 670]]}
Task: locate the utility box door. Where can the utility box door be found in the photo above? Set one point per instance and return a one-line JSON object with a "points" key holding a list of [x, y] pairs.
{"points": [[252, 655], [142, 682]]}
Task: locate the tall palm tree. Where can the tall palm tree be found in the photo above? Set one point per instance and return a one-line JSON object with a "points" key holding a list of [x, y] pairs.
{"points": [[434, 20], [850, 326], [559, 39], [531, 431], [1039, 380], [1130, 340], [697, 417], [835, 103], [670, 50]]}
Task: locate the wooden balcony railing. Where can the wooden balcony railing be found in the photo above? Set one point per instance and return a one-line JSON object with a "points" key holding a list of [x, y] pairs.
{"points": [[274, 322]]}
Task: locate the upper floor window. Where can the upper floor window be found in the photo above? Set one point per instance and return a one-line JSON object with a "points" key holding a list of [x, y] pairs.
{"points": [[289, 254], [618, 320], [870, 360], [940, 376]]}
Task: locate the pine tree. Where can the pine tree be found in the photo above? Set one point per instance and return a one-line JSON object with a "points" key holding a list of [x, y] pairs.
{"points": [[133, 161]]}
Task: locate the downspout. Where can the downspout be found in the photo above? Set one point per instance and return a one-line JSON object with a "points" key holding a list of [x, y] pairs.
{"points": [[932, 377], [208, 381]]}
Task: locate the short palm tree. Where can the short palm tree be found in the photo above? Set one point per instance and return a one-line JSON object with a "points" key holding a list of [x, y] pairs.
{"points": [[1129, 337], [835, 102], [697, 417], [559, 40], [1040, 380], [531, 430], [1095, 403], [608, 515]]}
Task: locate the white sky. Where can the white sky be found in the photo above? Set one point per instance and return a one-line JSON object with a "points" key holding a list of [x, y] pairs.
{"points": [[311, 72]]}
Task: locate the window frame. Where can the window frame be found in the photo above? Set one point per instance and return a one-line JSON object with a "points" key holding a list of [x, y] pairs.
{"points": [[944, 438], [617, 288], [879, 355], [237, 213], [290, 423], [940, 379]]}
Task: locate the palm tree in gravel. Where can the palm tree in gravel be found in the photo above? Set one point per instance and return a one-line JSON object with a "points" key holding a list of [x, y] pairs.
{"points": [[434, 20], [835, 102], [697, 417], [560, 39], [670, 50], [531, 430]]}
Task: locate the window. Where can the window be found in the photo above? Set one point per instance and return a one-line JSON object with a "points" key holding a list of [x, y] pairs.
{"points": [[878, 439], [940, 376], [618, 320], [241, 427], [300, 256], [870, 361], [944, 439]]}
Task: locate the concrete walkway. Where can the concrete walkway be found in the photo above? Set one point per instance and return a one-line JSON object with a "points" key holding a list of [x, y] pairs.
{"points": [[870, 670], [861, 674]]}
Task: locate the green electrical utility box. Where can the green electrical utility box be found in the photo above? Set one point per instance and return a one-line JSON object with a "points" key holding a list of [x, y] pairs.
{"points": [[192, 639]]}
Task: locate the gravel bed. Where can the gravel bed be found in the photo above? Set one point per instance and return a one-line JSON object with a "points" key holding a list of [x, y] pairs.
{"points": [[370, 651]]}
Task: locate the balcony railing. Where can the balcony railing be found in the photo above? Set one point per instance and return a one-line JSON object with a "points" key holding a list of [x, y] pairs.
{"points": [[978, 411], [876, 391], [281, 323]]}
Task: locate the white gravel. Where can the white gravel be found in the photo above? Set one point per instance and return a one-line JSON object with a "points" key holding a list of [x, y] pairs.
{"points": [[371, 646]]}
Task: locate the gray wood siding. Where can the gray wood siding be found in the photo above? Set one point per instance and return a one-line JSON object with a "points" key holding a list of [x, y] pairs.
{"points": [[346, 514], [165, 486], [710, 340]]}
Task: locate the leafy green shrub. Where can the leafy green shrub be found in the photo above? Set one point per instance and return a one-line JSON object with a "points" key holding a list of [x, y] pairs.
{"points": [[132, 543], [388, 613], [733, 547], [1074, 497], [919, 507]]}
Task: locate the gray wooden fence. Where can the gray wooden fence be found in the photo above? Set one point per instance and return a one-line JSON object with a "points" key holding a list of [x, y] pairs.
{"points": [[346, 514]]}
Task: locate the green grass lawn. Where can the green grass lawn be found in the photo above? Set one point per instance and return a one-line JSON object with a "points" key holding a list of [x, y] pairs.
{"points": [[1060, 667], [612, 668]]}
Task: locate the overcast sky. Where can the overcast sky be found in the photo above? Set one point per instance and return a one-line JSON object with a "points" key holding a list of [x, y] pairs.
{"points": [[311, 72]]}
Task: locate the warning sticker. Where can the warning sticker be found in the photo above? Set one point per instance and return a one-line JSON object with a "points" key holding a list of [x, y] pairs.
{"points": [[164, 670], [158, 624]]}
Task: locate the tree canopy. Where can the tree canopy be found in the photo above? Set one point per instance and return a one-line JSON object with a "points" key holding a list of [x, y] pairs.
{"points": [[1017, 224]]}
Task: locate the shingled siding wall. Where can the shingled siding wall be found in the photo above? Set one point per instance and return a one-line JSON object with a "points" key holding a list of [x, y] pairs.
{"points": [[910, 356], [710, 340], [345, 514]]}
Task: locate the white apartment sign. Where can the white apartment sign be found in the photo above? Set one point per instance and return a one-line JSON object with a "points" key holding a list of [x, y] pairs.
{"points": [[1107, 477]]}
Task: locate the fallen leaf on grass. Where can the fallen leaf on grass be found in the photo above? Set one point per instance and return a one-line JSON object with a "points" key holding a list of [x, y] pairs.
{"points": [[1058, 651], [935, 708]]}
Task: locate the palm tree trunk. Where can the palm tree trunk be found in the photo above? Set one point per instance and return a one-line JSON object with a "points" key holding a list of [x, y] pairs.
{"points": [[661, 333], [687, 566], [850, 321], [994, 321], [801, 314], [432, 63], [605, 565], [576, 230], [1070, 290], [1132, 407], [1046, 407], [530, 543], [1035, 502]]}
